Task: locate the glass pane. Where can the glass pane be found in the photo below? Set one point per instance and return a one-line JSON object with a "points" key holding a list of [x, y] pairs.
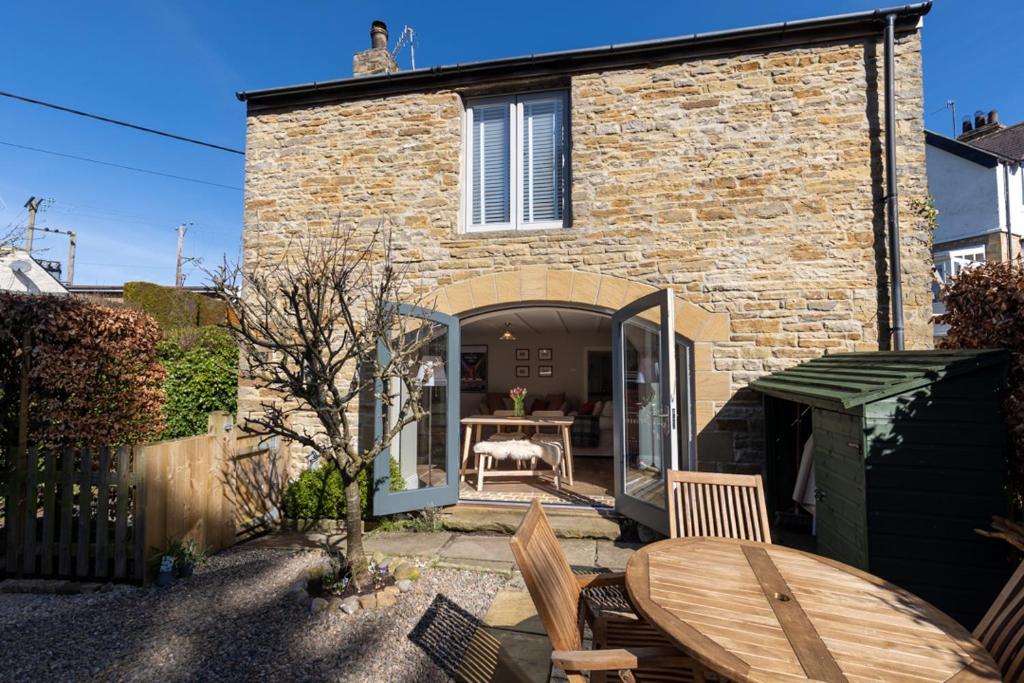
{"points": [[420, 451], [490, 164], [543, 149], [645, 423]]}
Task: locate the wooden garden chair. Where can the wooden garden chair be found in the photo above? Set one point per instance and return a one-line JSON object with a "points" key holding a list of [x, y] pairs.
{"points": [[1001, 630], [633, 649], [720, 505]]}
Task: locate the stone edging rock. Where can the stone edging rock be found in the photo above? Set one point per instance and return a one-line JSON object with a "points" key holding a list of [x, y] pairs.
{"points": [[404, 571]]}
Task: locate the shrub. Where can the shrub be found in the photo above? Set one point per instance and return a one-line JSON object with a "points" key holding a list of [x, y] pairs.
{"points": [[985, 309], [94, 379], [320, 493], [172, 307], [202, 376]]}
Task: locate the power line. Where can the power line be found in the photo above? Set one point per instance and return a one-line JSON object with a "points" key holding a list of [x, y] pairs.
{"points": [[116, 122], [121, 166]]}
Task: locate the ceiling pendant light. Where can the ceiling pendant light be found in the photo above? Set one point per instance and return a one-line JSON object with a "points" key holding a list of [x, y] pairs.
{"points": [[507, 334]]}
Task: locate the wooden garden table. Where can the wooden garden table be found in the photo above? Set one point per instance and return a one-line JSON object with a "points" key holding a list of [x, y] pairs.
{"points": [[474, 423], [757, 612]]}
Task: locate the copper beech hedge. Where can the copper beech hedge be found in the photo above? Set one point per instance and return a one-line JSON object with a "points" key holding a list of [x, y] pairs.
{"points": [[985, 309], [94, 379]]}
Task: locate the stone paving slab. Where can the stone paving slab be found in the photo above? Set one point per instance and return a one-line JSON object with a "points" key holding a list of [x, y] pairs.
{"points": [[531, 652], [613, 555], [491, 548], [408, 543], [514, 610]]}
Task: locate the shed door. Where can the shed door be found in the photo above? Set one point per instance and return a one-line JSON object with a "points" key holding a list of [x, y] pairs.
{"points": [[424, 458], [840, 509], [644, 394]]}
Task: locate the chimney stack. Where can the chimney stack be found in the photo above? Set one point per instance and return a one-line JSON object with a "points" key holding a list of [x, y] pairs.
{"points": [[377, 60]]}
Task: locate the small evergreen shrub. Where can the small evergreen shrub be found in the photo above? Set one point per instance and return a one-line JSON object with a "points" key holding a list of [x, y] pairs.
{"points": [[320, 494], [202, 377]]}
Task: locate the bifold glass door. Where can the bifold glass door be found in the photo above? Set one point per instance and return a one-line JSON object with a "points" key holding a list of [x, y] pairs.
{"points": [[647, 425], [420, 468]]}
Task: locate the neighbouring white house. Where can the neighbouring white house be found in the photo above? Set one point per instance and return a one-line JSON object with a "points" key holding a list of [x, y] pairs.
{"points": [[19, 272], [977, 182]]}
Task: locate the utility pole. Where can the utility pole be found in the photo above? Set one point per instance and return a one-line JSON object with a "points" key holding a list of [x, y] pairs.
{"points": [[179, 278], [33, 206], [72, 239], [951, 105]]}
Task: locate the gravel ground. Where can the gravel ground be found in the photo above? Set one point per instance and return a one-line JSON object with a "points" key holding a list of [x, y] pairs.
{"points": [[233, 621]]}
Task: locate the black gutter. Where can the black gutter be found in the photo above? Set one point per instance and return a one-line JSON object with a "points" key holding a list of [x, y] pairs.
{"points": [[892, 186], [768, 36]]}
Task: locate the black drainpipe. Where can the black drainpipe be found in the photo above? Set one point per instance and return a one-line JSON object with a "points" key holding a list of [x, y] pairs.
{"points": [[892, 191]]}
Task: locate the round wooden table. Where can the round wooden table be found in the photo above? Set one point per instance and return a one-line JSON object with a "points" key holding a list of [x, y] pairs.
{"points": [[757, 612]]}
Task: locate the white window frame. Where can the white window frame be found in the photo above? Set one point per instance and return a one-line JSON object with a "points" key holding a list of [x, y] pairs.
{"points": [[954, 261], [515, 104]]}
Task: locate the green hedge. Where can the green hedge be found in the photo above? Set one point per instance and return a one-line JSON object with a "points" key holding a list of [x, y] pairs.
{"points": [[173, 307], [202, 376], [320, 494]]}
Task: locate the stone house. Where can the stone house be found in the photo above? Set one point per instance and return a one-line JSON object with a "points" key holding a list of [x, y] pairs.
{"points": [[735, 179]]}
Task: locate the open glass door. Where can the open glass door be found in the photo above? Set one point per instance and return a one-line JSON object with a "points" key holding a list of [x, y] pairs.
{"points": [[426, 453], [644, 362]]}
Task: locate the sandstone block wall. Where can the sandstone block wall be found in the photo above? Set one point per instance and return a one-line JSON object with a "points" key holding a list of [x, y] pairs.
{"points": [[752, 184]]}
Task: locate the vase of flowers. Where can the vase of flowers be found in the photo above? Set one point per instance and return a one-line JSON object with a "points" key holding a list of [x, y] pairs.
{"points": [[518, 396]]}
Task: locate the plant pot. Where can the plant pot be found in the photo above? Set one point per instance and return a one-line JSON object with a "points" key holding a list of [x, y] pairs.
{"points": [[164, 579], [185, 571]]}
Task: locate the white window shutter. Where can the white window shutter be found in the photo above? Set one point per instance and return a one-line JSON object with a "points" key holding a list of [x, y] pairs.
{"points": [[543, 149], [490, 164]]}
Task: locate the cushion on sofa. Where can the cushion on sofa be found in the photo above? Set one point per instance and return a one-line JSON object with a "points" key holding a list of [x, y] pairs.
{"points": [[587, 408], [538, 404], [495, 401]]}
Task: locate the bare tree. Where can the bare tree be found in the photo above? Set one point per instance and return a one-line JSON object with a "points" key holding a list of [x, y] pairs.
{"points": [[320, 331]]}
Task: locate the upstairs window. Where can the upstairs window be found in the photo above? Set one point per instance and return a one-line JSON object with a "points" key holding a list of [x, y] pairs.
{"points": [[516, 162]]}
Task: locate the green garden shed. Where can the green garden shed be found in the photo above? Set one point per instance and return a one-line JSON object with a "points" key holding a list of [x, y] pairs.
{"points": [[909, 457]]}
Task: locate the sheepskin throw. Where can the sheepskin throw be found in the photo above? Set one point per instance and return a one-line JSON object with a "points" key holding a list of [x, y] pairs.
{"points": [[520, 449]]}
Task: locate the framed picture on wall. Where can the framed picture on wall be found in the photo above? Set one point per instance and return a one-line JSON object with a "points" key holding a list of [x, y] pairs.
{"points": [[474, 368], [543, 354], [545, 371], [522, 371], [522, 354]]}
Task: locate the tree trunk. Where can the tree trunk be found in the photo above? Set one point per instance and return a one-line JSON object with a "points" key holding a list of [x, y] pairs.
{"points": [[354, 533]]}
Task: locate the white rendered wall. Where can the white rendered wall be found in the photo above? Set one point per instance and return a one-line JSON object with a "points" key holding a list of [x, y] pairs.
{"points": [[966, 194]]}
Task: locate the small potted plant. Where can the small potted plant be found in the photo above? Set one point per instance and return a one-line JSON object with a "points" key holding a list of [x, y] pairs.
{"points": [[165, 574], [187, 554], [518, 396]]}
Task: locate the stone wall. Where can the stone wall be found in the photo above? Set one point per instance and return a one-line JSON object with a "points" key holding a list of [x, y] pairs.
{"points": [[752, 184]]}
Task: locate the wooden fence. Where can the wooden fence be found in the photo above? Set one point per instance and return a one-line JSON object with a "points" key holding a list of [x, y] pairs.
{"points": [[104, 513]]}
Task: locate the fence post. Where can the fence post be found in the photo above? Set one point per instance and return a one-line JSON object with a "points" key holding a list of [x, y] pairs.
{"points": [[139, 526]]}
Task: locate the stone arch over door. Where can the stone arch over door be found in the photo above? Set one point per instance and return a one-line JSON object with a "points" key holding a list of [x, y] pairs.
{"points": [[543, 285]]}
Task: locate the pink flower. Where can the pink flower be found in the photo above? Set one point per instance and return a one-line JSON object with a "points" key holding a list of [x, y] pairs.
{"points": [[517, 393]]}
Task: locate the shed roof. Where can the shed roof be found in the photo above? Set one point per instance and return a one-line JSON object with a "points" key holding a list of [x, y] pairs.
{"points": [[846, 380]]}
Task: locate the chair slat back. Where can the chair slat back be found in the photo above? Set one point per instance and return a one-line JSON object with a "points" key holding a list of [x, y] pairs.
{"points": [[1001, 630], [549, 578], [506, 413], [547, 413], [720, 505]]}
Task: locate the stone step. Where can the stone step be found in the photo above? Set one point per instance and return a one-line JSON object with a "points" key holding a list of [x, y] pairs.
{"points": [[567, 522]]}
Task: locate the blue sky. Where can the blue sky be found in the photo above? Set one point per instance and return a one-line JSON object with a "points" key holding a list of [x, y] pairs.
{"points": [[176, 66]]}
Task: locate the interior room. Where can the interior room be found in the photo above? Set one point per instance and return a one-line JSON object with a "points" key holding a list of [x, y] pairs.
{"points": [[562, 357]]}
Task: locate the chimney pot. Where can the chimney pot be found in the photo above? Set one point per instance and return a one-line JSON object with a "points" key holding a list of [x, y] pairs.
{"points": [[966, 126], [979, 119], [378, 34], [993, 117]]}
